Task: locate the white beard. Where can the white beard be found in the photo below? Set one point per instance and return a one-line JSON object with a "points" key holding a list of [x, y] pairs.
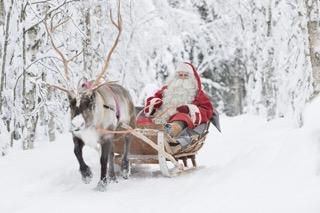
{"points": [[179, 92]]}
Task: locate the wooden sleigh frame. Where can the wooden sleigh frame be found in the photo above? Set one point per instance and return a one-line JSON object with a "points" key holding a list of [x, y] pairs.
{"points": [[151, 145]]}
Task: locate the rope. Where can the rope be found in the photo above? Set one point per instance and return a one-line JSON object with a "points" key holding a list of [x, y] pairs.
{"points": [[158, 116], [107, 131], [144, 108]]}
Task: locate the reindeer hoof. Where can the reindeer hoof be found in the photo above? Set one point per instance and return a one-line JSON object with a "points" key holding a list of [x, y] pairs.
{"points": [[125, 169], [113, 179], [86, 175], [102, 186], [86, 180], [125, 173]]}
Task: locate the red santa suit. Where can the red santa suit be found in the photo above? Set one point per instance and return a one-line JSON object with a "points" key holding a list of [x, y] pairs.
{"points": [[185, 102]]}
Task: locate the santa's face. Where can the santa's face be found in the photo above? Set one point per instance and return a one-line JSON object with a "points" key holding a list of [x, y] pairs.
{"points": [[184, 83], [182, 75], [181, 90]]}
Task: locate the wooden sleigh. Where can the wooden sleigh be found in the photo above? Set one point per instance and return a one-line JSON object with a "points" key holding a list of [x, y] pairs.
{"points": [[152, 145]]}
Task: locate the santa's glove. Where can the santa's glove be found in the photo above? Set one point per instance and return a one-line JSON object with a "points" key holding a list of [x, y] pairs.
{"points": [[183, 109]]}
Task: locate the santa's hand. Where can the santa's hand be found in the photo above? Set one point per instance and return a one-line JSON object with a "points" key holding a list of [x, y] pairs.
{"points": [[151, 105], [183, 109]]}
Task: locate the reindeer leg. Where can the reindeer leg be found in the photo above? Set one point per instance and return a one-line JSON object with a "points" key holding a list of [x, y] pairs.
{"points": [[111, 173], [85, 170], [105, 153], [125, 167]]}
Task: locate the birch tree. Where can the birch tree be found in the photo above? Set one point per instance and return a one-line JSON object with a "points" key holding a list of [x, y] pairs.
{"points": [[5, 51], [312, 7]]}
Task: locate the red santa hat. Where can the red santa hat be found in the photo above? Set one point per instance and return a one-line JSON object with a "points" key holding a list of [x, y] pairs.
{"points": [[184, 67]]}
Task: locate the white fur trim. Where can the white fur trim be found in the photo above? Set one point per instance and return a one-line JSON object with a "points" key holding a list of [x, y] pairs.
{"points": [[193, 111], [185, 68], [151, 106]]}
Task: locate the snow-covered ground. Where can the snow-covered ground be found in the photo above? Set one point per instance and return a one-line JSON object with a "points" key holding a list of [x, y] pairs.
{"points": [[253, 166]]}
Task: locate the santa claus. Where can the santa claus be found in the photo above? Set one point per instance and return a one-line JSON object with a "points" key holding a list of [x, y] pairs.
{"points": [[181, 103]]}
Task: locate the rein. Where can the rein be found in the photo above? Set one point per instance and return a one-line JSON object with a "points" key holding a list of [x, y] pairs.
{"points": [[164, 112], [144, 108], [106, 131], [158, 116]]}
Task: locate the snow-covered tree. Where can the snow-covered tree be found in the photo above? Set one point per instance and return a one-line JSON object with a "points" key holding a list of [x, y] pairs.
{"points": [[254, 56]]}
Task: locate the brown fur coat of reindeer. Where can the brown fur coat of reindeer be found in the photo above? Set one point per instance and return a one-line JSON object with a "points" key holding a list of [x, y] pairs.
{"points": [[98, 105]]}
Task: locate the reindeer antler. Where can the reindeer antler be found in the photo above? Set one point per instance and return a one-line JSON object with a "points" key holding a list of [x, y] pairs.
{"points": [[64, 59], [59, 88], [118, 25]]}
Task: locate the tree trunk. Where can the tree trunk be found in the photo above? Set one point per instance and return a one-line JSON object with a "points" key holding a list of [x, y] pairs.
{"points": [[2, 12], [2, 20], [238, 95], [4, 56], [51, 128], [87, 58], [314, 43], [29, 88], [269, 19], [51, 122]]}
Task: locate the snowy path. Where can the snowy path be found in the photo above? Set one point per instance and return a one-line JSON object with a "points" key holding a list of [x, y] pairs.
{"points": [[254, 166]]}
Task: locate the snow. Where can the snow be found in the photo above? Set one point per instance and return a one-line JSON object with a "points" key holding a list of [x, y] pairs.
{"points": [[252, 166]]}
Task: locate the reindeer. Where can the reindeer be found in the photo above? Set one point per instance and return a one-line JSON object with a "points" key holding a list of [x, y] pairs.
{"points": [[95, 107], [106, 106]]}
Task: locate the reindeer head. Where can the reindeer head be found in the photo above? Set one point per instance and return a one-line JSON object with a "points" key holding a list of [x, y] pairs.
{"points": [[86, 101], [82, 106]]}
